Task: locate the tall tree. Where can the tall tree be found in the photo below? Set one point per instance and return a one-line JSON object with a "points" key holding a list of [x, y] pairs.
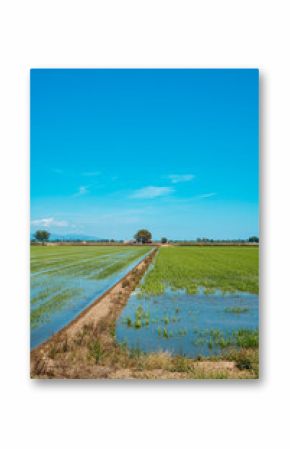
{"points": [[143, 236], [42, 236]]}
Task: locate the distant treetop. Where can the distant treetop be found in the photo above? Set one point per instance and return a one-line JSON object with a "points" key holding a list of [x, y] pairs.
{"points": [[143, 236], [42, 235]]}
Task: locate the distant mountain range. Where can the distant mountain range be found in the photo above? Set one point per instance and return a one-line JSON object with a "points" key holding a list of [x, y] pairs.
{"points": [[70, 237]]}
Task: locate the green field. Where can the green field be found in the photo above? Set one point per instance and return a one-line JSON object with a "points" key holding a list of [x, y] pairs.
{"points": [[97, 262], [224, 268]]}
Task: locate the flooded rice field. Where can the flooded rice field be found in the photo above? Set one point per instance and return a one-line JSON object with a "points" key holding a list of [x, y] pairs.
{"points": [[195, 302], [192, 325], [66, 280]]}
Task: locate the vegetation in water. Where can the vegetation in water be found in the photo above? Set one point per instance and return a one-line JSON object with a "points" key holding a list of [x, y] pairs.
{"points": [[57, 302], [236, 310], [60, 274]]}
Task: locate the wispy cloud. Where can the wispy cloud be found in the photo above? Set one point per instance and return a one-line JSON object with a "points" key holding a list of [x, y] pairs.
{"points": [[82, 191], [206, 195], [152, 192], [91, 173], [58, 171], [176, 179], [48, 222]]}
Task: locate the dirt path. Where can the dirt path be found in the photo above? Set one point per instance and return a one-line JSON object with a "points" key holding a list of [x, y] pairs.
{"points": [[101, 307]]}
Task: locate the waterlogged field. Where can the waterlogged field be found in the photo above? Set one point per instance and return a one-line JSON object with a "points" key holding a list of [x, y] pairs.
{"points": [[66, 279], [195, 302]]}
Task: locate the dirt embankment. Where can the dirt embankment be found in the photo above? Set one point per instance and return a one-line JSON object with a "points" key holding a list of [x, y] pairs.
{"points": [[87, 349]]}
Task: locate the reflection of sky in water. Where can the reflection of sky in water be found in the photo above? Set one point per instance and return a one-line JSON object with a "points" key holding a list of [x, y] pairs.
{"points": [[87, 291], [192, 320]]}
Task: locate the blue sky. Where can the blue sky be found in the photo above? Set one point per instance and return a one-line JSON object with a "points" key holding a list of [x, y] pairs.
{"points": [[174, 151]]}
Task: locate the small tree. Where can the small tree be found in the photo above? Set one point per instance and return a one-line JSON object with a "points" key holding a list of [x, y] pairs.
{"points": [[164, 240], [42, 236], [254, 239], [143, 236]]}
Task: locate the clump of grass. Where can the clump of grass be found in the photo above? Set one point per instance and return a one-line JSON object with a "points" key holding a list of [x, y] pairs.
{"points": [[165, 332], [246, 359], [138, 324], [246, 338], [139, 314], [236, 310], [128, 321], [215, 333], [166, 320], [182, 365], [95, 350]]}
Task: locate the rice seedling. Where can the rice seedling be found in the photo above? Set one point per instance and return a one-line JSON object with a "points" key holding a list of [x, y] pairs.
{"points": [[166, 320], [165, 332], [186, 268], [236, 310], [138, 324]]}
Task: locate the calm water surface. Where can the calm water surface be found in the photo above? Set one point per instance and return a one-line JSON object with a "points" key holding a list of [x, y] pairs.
{"points": [[82, 292], [185, 324]]}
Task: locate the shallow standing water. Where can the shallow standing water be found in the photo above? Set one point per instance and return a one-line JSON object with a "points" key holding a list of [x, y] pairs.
{"points": [[81, 291], [183, 324]]}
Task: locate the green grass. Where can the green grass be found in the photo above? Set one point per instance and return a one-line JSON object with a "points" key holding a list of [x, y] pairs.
{"points": [[94, 261], [228, 269], [246, 338]]}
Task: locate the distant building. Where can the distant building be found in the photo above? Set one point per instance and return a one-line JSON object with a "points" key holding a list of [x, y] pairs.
{"points": [[129, 242]]}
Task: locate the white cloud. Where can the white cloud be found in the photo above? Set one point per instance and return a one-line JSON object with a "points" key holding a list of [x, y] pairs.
{"points": [[58, 171], [152, 192], [206, 195], [175, 179], [48, 222]]}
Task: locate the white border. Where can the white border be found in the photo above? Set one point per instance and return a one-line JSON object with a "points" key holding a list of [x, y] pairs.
{"points": [[144, 34]]}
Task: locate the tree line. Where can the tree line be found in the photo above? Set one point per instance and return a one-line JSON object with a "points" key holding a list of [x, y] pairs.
{"points": [[144, 236]]}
